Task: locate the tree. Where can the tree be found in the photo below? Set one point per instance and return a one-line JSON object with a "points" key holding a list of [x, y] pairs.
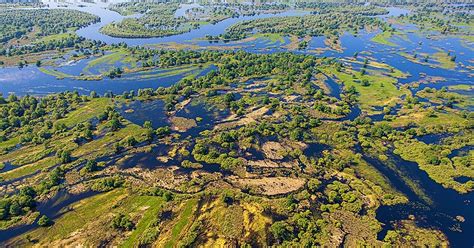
{"points": [[281, 231], [162, 131], [147, 124], [296, 134], [91, 165], [114, 124], [12, 98], [122, 222], [65, 156], [229, 97], [149, 134], [15, 209], [314, 184], [131, 141], [44, 221], [117, 148], [88, 134], [365, 82], [167, 196]]}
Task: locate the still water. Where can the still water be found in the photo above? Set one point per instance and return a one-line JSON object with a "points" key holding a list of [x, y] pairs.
{"points": [[445, 204]]}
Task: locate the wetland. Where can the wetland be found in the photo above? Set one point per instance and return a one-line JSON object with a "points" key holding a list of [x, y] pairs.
{"points": [[284, 124]]}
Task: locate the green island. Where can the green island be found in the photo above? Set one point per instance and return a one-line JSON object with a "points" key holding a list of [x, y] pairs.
{"points": [[158, 19]]}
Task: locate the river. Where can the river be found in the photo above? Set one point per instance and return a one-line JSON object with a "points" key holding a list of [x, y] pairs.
{"points": [[445, 204]]}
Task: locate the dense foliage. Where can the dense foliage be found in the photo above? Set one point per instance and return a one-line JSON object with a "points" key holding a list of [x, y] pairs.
{"points": [[158, 19], [310, 25], [274, 149], [14, 23]]}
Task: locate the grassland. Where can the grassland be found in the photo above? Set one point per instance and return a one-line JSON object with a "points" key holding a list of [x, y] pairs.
{"points": [[9, 143], [55, 37], [461, 87], [89, 210], [106, 60], [439, 59], [381, 90], [184, 219], [278, 168], [445, 60], [383, 38], [423, 117], [90, 110], [443, 173], [55, 73], [273, 38]]}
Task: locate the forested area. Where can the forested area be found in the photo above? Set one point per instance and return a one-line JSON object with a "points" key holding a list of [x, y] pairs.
{"points": [[333, 24], [326, 124], [159, 19], [14, 23]]}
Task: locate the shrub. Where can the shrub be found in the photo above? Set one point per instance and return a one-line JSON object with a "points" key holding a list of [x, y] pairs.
{"points": [[44, 221], [122, 222]]}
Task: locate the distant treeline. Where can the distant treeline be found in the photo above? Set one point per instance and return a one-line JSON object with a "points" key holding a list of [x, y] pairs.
{"points": [[375, 2], [20, 1]]}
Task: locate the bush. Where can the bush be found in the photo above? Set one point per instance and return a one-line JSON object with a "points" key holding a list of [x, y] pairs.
{"points": [[313, 185], [106, 184], [365, 82], [91, 165], [44, 221], [281, 231]]}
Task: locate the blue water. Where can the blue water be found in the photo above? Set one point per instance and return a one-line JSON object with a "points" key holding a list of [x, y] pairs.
{"points": [[53, 208], [92, 31], [139, 111], [30, 80], [209, 114], [315, 150], [446, 203], [463, 151], [441, 213], [434, 138], [7, 166]]}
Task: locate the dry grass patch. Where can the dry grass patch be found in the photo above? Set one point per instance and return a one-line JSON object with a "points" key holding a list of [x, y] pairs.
{"points": [[182, 124], [271, 186]]}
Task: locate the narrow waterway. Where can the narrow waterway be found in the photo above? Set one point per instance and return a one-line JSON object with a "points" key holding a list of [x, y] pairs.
{"points": [[53, 208], [31, 80], [432, 206], [445, 210]]}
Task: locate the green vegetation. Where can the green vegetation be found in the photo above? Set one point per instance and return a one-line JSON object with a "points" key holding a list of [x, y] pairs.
{"points": [[439, 59], [433, 159], [431, 18], [273, 38], [331, 24], [43, 22], [383, 38], [264, 149], [182, 221], [335, 6], [372, 90], [158, 19]]}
